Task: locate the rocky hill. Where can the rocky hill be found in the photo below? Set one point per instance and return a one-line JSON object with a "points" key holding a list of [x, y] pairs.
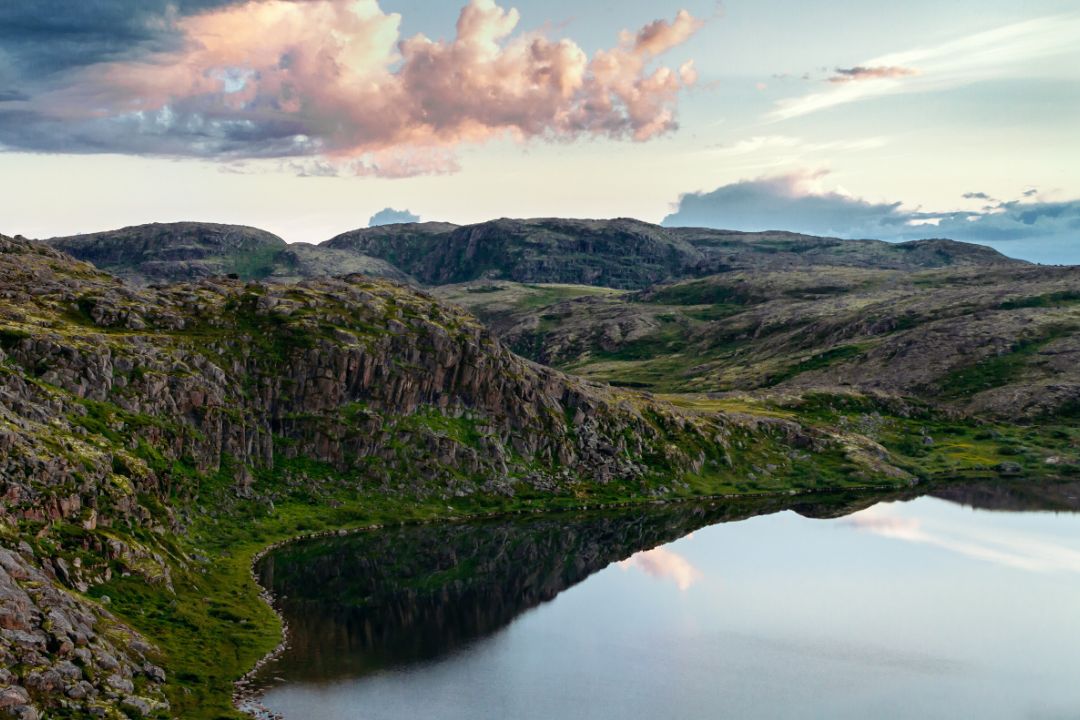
{"points": [[174, 252], [154, 439], [629, 254], [622, 253], [148, 436]]}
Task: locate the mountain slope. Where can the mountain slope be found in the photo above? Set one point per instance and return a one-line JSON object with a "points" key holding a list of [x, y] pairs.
{"points": [[1003, 341], [620, 253]]}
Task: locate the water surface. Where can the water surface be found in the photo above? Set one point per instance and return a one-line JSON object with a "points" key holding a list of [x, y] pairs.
{"points": [[848, 608]]}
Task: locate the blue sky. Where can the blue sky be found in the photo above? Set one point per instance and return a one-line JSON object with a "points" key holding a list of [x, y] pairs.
{"points": [[308, 123]]}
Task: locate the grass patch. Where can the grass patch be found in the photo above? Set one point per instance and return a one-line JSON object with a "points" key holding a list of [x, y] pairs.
{"points": [[998, 370], [818, 361]]}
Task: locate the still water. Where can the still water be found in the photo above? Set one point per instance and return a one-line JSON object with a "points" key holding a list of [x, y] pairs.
{"points": [[956, 606]]}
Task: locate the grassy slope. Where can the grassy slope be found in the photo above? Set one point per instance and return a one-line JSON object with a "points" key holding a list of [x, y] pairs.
{"points": [[973, 330]]}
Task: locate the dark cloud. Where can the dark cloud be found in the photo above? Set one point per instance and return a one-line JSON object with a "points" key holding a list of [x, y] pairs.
{"points": [[390, 216], [977, 196], [48, 36], [1039, 231]]}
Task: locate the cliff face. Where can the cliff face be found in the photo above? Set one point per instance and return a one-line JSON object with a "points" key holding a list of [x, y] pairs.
{"points": [[125, 412], [222, 368]]}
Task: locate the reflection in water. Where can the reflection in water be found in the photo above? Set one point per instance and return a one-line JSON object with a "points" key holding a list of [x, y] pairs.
{"points": [[1010, 549], [405, 617], [368, 601], [664, 564]]}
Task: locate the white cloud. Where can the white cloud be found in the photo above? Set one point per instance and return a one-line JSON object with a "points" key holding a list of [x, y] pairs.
{"points": [[1002, 52], [1010, 549]]}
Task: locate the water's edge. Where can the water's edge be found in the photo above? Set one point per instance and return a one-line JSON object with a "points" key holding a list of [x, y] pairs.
{"points": [[247, 696]]}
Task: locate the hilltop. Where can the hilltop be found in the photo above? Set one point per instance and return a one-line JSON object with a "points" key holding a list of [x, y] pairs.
{"points": [[629, 254], [173, 252]]}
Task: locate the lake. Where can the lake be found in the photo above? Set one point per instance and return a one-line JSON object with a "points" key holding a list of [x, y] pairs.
{"points": [[960, 603]]}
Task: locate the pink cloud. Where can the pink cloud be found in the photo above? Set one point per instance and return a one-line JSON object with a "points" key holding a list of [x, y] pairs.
{"points": [[334, 78], [860, 72], [664, 564]]}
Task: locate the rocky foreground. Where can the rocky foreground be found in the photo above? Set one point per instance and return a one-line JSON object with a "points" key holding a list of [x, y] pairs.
{"points": [[130, 418]]}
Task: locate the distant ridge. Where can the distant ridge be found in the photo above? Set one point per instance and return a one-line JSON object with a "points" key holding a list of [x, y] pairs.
{"points": [[621, 253]]}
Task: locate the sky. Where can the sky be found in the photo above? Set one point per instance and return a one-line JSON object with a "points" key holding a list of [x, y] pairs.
{"points": [[312, 117]]}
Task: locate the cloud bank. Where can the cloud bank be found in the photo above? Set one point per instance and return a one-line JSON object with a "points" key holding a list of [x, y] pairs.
{"points": [[1028, 228], [390, 216], [332, 79]]}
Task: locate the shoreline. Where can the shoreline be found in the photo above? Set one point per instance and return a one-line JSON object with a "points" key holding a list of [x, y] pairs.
{"points": [[246, 696]]}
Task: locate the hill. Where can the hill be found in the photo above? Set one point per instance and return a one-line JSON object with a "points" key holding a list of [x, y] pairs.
{"points": [[173, 252], [629, 254], [998, 340], [624, 254], [153, 440]]}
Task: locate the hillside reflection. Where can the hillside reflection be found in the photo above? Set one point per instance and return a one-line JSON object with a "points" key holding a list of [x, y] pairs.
{"points": [[365, 602]]}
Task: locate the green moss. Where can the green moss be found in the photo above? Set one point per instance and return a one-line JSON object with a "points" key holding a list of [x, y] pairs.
{"points": [[10, 337]]}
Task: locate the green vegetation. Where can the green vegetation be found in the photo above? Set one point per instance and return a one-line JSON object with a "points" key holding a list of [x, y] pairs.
{"points": [[255, 263], [999, 370], [818, 361], [1047, 300]]}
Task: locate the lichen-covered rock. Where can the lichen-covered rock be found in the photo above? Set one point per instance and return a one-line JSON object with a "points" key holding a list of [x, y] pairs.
{"points": [[63, 651]]}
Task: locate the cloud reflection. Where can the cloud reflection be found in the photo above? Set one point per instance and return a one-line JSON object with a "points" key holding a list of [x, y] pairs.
{"points": [[1007, 548], [664, 564]]}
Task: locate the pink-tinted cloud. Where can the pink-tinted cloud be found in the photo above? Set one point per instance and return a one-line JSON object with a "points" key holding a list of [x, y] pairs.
{"points": [[334, 78], [860, 72], [666, 565], [1002, 547]]}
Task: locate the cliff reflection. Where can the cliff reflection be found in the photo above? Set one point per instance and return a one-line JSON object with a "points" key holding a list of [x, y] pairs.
{"points": [[370, 601]]}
